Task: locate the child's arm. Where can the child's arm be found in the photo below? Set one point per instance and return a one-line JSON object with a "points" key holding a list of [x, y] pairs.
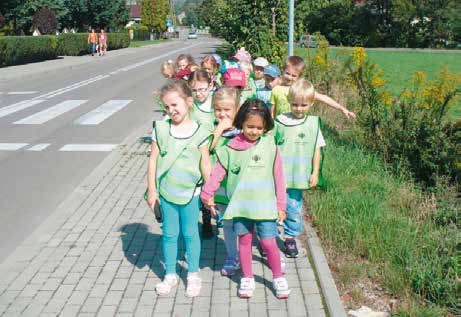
{"points": [[152, 194], [205, 163], [211, 186], [314, 179], [225, 124], [280, 186], [330, 102], [273, 112]]}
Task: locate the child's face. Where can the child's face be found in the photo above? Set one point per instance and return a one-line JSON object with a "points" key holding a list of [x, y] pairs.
{"points": [[208, 67], [247, 71], [269, 80], [225, 109], [290, 75], [259, 72], [176, 106], [201, 90], [300, 107], [182, 64], [253, 127]]}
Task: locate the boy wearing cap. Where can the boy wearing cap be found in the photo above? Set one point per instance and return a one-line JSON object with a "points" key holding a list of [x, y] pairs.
{"points": [[235, 77], [271, 74], [259, 64]]}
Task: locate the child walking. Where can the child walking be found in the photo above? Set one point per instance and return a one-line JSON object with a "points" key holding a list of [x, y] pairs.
{"points": [[178, 161], [255, 188], [183, 65], [292, 71], [300, 140]]}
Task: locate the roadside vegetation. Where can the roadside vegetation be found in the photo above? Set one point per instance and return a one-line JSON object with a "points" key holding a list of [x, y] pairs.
{"points": [[144, 43]]}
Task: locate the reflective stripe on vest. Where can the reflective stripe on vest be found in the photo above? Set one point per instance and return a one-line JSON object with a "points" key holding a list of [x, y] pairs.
{"points": [[297, 145]]}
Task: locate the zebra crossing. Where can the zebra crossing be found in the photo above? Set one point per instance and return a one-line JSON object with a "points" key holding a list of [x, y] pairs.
{"points": [[45, 111]]}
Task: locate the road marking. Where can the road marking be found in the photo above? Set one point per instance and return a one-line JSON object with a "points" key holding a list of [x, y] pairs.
{"points": [[51, 113], [39, 147], [12, 146], [88, 147], [22, 92], [103, 112], [18, 107]]}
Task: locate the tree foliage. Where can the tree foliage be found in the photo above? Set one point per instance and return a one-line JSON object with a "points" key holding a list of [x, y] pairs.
{"points": [[45, 21], [147, 14], [162, 10]]}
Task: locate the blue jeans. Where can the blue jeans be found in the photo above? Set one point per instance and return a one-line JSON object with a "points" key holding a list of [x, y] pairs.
{"points": [[230, 237], [267, 229], [184, 219], [93, 48], [293, 224]]}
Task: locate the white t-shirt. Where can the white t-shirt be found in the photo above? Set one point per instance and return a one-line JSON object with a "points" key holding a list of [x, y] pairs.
{"points": [[288, 119], [206, 105], [174, 133]]}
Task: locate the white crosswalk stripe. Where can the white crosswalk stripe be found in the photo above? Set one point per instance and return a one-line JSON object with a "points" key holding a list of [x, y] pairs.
{"points": [[51, 113], [103, 112], [12, 146], [18, 107], [88, 147]]}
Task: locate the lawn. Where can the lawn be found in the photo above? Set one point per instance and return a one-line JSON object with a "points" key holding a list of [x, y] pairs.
{"points": [[399, 66], [144, 43]]}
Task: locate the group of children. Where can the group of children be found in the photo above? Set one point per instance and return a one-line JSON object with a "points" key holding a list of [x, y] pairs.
{"points": [[238, 144]]}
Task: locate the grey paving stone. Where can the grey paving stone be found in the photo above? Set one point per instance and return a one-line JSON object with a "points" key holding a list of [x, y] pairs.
{"points": [[107, 311], [237, 303], [133, 291], [33, 309], [85, 284], [99, 290], [144, 311], [220, 296], [119, 284], [78, 298], [163, 305], [201, 304], [43, 297], [313, 301], [55, 305], [72, 278], [51, 284], [30, 290], [128, 305], [113, 298], [91, 305], [317, 312]]}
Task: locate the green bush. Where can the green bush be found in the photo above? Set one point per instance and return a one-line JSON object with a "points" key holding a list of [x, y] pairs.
{"points": [[72, 44], [116, 41], [15, 50]]}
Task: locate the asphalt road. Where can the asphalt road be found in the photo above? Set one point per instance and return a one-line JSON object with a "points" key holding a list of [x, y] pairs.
{"points": [[51, 136]]}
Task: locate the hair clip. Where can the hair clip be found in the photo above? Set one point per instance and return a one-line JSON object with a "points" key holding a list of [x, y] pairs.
{"points": [[254, 108], [169, 61]]}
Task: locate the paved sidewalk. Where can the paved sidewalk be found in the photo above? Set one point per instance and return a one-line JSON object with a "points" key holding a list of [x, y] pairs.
{"points": [[99, 254]]}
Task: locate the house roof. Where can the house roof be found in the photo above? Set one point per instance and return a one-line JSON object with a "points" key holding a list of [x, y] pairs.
{"points": [[135, 11]]}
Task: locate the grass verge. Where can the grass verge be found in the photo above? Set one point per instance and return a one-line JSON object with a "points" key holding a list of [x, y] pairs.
{"points": [[372, 215], [144, 43]]}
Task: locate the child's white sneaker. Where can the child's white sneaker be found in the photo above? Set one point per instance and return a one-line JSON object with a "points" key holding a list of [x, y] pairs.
{"points": [[164, 287], [194, 284], [247, 287], [231, 266], [281, 287]]}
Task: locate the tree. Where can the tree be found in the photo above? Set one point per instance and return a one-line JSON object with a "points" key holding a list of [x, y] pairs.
{"points": [[79, 16], [147, 14], [162, 10], [108, 13], [27, 11], [45, 21]]}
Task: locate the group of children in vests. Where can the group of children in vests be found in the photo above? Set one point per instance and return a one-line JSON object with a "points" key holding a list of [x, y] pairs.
{"points": [[238, 144]]}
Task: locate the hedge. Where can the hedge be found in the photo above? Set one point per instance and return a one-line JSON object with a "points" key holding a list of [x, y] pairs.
{"points": [[15, 50]]}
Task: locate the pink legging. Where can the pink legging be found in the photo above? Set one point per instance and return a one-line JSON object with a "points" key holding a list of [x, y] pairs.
{"points": [[246, 255]]}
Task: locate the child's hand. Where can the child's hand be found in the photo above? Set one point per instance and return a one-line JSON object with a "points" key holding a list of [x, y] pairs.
{"points": [[210, 205], [152, 199], [224, 124], [349, 114], [314, 180], [282, 215]]}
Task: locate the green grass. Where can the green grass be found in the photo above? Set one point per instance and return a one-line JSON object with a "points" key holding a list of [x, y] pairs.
{"points": [[399, 67], [368, 212], [144, 43]]}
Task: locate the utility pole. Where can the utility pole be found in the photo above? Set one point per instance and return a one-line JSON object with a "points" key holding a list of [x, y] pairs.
{"points": [[291, 19], [273, 21]]}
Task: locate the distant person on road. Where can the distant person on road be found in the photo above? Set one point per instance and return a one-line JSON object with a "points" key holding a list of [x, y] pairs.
{"points": [[93, 41], [102, 43], [178, 161], [183, 64]]}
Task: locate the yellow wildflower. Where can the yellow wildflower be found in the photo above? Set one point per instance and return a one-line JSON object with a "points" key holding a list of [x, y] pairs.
{"points": [[386, 98], [319, 60], [378, 82], [420, 78], [358, 55], [406, 94]]}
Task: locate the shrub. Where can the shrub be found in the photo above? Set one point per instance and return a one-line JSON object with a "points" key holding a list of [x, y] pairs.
{"points": [[2, 21], [15, 50], [45, 21], [72, 44], [116, 41]]}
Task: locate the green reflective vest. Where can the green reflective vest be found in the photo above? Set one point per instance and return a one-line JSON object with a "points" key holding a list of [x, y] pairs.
{"points": [[178, 163], [297, 145], [250, 185], [204, 118]]}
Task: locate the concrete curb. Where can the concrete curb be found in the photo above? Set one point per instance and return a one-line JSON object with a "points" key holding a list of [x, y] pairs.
{"points": [[320, 265]]}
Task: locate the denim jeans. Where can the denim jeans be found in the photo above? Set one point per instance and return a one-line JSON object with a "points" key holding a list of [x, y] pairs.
{"points": [[93, 48], [293, 224], [267, 229]]}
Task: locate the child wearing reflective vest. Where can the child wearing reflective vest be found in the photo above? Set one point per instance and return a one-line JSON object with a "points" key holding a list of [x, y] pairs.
{"points": [[178, 161], [300, 140], [255, 187]]}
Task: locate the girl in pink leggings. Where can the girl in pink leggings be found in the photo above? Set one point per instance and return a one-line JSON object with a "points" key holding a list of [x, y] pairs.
{"points": [[255, 186]]}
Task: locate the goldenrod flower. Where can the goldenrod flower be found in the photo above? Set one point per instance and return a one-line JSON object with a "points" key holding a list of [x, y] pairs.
{"points": [[358, 55], [386, 98], [378, 82], [420, 77]]}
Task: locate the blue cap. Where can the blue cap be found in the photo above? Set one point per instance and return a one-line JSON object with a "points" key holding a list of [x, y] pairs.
{"points": [[272, 70], [217, 58]]}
